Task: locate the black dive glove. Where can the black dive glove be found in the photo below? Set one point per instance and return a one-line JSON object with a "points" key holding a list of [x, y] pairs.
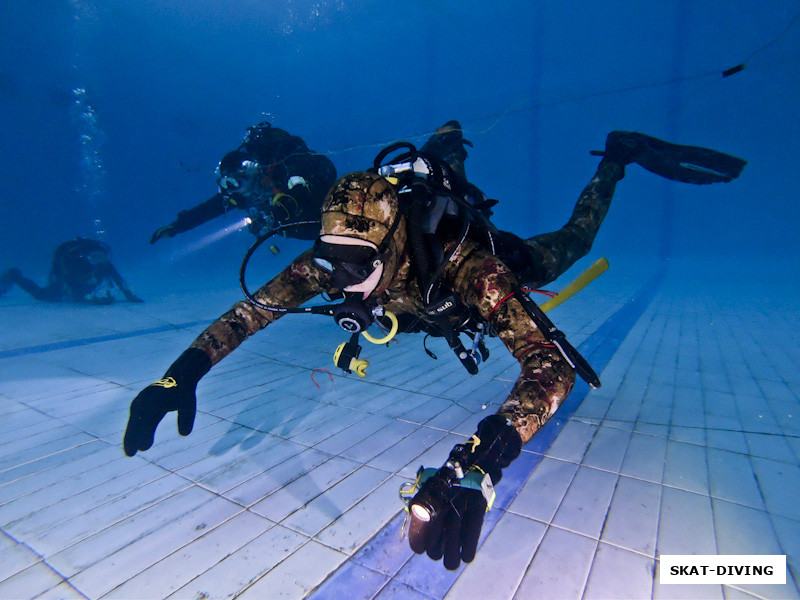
{"points": [[167, 231], [447, 516], [176, 391]]}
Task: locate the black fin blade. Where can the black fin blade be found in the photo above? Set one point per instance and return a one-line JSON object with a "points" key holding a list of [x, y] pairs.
{"points": [[689, 164]]}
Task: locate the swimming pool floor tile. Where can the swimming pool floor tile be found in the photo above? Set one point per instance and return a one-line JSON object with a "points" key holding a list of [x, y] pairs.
{"points": [[288, 486]]}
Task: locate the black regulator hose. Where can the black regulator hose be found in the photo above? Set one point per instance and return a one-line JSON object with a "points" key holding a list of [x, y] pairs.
{"points": [[411, 152], [261, 239], [420, 196], [350, 316]]}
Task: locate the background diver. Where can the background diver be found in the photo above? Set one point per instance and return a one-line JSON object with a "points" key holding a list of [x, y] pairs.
{"points": [[379, 250], [81, 272], [272, 176]]}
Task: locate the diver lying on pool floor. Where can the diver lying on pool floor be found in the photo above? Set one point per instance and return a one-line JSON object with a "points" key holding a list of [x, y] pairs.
{"points": [[406, 240], [81, 271]]}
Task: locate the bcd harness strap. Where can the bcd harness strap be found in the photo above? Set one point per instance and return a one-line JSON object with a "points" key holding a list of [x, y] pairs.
{"points": [[437, 315], [421, 178]]}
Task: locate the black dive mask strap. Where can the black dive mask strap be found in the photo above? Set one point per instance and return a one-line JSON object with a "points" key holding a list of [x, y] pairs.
{"points": [[383, 247]]}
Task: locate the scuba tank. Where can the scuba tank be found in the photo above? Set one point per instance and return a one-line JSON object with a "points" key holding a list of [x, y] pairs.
{"points": [[433, 192]]}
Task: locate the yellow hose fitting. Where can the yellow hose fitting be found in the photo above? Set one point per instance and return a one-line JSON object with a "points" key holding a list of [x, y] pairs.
{"points": [[359, 366]]}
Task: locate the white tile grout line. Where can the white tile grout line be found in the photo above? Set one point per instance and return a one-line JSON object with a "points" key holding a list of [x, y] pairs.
{"points": [[40, 560], [599, 424], [245, 508]]}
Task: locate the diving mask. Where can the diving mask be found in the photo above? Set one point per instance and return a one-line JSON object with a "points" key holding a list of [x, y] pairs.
{"points": [[230, 181], [351, 262]]}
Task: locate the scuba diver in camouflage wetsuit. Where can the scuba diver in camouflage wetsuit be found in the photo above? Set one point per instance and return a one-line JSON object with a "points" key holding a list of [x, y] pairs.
{"points": [[372, 249]]}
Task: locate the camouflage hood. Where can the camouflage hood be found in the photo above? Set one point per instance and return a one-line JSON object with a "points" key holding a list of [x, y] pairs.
{"points": [[365, 206]]}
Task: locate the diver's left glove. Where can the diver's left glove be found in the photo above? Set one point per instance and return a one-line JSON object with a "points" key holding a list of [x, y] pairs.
{"points": [[167, 231], [175, 391], [447, 512]]}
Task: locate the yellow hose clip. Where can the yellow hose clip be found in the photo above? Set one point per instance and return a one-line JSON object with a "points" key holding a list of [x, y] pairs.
{"points": [[356, 365], [280, 200], [388, 337]]}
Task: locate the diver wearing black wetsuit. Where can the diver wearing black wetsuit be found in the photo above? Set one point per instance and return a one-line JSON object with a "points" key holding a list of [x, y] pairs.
{"points": [[273, 176], [81, 272]]}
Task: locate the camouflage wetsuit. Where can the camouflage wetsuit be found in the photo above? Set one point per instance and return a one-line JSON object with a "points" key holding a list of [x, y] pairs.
{"points": [[480, 280]]}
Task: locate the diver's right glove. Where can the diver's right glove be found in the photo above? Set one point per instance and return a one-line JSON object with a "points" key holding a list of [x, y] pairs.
{"points": [[167, 231], [175, 391], [447, 512]]}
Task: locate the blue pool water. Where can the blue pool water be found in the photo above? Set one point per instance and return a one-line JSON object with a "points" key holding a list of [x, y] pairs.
{"points": [[116, 115]]}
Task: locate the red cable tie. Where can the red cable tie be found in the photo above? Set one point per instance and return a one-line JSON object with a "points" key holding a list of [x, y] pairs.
{"points": [[525, 350], [315, 370], [547, 293], [496, 306]]}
